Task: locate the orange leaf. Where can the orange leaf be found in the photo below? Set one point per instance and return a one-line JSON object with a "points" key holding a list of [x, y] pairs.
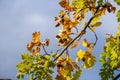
{"points": [[64, 3], [34, 46], [76, 44], [36, 37]]}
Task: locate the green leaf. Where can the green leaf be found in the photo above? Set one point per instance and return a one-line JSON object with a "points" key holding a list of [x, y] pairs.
{"points": [[77, 74], [100, 2], [24, 56], [31, 77], [118, 15], [89, 62], [117, 1], [79, 4], [51, 64], [38, 58], [46, 65], [20, 75], [106, 72], [94, 0], [50, 71]]}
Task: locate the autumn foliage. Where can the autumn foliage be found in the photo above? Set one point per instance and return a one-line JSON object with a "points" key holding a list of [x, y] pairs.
{"points": [[39, 66]]}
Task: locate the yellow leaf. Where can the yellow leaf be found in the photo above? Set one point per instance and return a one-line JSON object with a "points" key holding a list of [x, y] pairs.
{"points": [[80, 55], [93, 28], [74, 23], [76, 44], [68, 78], [62, 13], [119, 27], [97, 24], [85, 43], [85, 10], [79, 4], [90, 48], [36, 37], [114, 55], [96, 18], [118, 33], [67, 58]]}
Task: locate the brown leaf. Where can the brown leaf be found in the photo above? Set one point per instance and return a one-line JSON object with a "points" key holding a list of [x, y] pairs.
{"points": [[64, 3], [76, 44], [34, 46], [46, 42]]}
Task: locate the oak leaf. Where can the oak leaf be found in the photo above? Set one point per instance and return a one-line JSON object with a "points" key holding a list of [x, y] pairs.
{"points": [[36, 37]]}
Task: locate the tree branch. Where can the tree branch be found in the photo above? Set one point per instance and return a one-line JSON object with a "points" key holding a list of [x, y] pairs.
{"points": [[116, 77], [79, 35]]}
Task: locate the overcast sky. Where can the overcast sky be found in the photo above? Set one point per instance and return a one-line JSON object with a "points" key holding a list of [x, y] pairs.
{"points": [[20, 18]]}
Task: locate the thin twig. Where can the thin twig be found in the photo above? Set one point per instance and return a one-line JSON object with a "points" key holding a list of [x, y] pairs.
{"points": [[67, 53], [76, 29], [116, 77], [95, 36], [44, 49], [58, 50], [78, 36]]}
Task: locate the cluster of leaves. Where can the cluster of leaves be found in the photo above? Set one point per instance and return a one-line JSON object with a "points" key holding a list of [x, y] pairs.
{"points": [[110, 58], [74, 14], [34, 46], [36, 65], [39, 66], [86, 56], [67, 69]]}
